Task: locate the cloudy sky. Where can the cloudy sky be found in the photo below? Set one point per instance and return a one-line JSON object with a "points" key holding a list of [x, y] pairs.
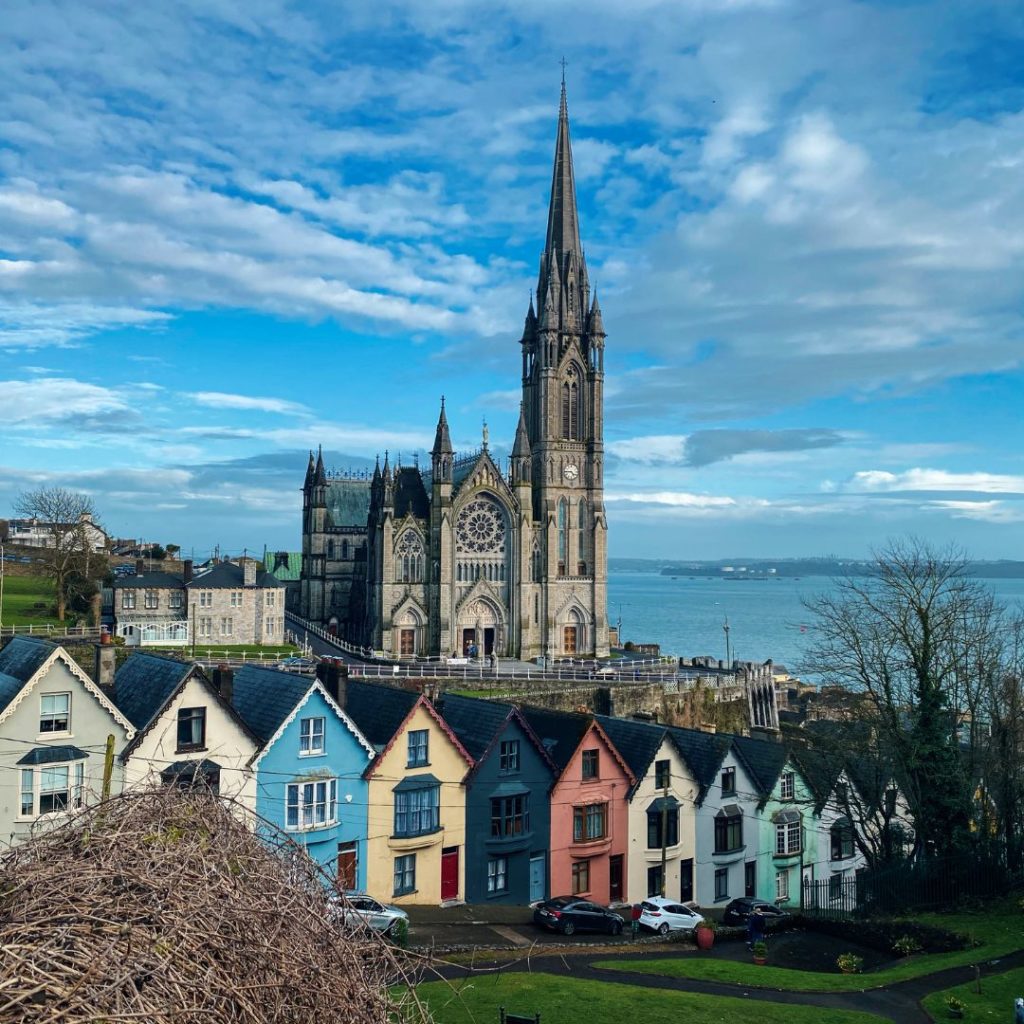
{"points": [[234, 229]]}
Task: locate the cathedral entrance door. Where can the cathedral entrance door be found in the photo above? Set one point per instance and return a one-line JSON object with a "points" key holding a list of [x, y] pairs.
{"points": [[488, 641], [407, 643], [569, 640], [468, 640]]}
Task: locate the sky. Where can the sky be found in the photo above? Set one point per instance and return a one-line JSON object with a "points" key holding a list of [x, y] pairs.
{"points": [[233, 230]]}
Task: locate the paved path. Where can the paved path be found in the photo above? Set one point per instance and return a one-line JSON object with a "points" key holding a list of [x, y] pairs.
{"points": [[900, 1002]]}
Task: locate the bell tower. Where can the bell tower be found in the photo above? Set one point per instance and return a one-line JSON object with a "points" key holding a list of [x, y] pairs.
{"points": [[563, 385]]}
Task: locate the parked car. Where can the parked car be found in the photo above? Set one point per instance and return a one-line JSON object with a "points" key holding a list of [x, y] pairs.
{"points": [[739, 910], [663, 915], [361, 911], [569, 914]]}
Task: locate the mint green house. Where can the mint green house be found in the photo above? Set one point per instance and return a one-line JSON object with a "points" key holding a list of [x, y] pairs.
{"points": [[787, 843]]}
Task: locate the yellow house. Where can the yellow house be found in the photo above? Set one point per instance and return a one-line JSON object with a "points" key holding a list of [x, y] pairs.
{"points": [[416, 820]]}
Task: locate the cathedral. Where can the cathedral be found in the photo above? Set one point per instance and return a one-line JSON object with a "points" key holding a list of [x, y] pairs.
{"points": [[472, 557]]}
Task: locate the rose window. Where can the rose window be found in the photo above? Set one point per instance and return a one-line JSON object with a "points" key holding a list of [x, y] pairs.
{"points": [[480, 528]]}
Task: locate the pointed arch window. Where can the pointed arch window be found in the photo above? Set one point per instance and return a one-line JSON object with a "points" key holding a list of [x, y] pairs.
{"points": [[563, 530], [583, 536], [571, 406], [536, 565], [409, 558]]}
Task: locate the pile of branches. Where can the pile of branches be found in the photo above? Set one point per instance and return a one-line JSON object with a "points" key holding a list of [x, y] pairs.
{"points": [[162, 906]]}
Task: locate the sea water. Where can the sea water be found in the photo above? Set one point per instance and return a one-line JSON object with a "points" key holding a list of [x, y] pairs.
{"points": [[767, 617]]}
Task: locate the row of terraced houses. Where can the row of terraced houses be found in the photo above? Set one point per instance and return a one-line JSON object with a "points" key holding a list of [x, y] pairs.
{"points": [[426, 801]]}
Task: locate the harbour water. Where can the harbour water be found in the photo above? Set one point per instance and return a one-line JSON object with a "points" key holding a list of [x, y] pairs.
{"points": [[767, 618]]}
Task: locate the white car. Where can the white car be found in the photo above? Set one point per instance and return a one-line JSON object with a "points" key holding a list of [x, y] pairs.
{"points": [[360, 910], [663, 915]]}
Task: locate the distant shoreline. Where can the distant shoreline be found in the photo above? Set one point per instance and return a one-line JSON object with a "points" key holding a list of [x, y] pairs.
{"points": [[762, 569]]}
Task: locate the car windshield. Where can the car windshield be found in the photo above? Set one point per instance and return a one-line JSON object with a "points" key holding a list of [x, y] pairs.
{"points": [[559, 901]]}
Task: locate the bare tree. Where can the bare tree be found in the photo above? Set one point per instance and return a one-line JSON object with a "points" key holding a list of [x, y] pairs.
{"points": [[921, 641], [65, 515]]}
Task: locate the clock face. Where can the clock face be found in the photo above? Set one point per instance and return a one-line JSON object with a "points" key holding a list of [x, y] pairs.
{"points": [[571, 472]]}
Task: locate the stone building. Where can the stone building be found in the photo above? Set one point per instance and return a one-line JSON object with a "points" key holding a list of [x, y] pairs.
{"points": [[470, 556], [150, 609], [236, 604]]}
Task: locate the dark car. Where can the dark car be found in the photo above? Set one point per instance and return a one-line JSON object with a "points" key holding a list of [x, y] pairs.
{"points": [[568, 914], [739, 910]]}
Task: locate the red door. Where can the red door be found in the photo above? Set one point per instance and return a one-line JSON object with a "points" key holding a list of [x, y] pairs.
{"points": [[450, 873]]}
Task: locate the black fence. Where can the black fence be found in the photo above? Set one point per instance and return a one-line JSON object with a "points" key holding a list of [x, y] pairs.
{"points": [[920, 885]]}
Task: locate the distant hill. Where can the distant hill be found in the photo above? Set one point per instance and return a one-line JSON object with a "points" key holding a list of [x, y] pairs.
{"points": [[759, 568]]}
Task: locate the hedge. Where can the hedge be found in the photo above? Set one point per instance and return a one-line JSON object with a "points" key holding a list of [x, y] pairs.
{"points": [[883, 933]]}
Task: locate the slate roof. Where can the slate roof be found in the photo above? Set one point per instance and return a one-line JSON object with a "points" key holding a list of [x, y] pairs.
{"points": [[820, 770], [637, 742], [559, 731], [228, 576], [348, 502], [53, 755], [475, 722], [143, 684], [703, 752], [377, 710], [264, 697], [763, 759], [150, 581], [410, 494], [20, 660]]}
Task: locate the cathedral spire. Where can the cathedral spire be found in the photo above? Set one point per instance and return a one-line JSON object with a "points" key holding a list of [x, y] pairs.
{"points": [[320, 472], [442, 439], [563, 223], [521, 448], [310, 470]]}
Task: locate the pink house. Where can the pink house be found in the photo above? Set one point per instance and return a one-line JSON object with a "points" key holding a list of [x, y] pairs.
{"points": [[589, 809]]}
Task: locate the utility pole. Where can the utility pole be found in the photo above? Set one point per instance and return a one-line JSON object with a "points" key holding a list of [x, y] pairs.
{"points": [[728, 653], [108, 767]]}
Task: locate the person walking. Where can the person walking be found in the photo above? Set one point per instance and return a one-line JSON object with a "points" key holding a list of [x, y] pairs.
{"points": [[755, 925], [634, 920]]}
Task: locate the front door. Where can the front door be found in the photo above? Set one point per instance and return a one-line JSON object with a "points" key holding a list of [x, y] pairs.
{"points": [[537, 875], [614, 877], [468, 641], [347, 865], [489, 641], [450, 873], [569, 640], [686, 880], [407, 643], [750, 878]]}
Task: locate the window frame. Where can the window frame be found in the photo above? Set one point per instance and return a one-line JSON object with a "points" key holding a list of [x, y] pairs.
{"points": [[654, 828], [49, 719], [663, 773], [128, 599], [590, 761], [587, 819], [580, 876], [787, 786], [404, 874], [74, 788], [728, 827], [413, 759], [728, 776], [497, 875], [721, 884], [307, 794], [187, 714], [417, 812], [308, 734], [508, 757], [841, 838], [788, 838], [782, 885], [510, 816]]}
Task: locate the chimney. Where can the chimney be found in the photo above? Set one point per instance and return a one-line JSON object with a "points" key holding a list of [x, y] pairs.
{"points": [[224, 680], [249, 572], [186, 570], [140, 567], [333, 676], [104, 663]]}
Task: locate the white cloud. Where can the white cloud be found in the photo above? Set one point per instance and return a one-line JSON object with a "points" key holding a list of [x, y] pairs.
{"points": [[877, 480], [223, 400], [51, 399]]}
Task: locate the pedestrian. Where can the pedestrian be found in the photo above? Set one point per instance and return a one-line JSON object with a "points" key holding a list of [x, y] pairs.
{"points": [[756, 925], [634, 920]]}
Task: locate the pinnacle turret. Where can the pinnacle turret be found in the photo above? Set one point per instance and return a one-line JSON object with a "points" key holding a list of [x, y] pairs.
{"points": [[320, 474], [595, 325], [442, 439], [310, 470], [521, 448]]}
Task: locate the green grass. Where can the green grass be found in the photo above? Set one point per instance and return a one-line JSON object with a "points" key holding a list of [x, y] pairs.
{"points": [[999, 929], [21, 594], [559, 1000], [995, 1003]]}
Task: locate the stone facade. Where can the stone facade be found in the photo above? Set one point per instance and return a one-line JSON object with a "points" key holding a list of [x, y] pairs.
{"points": [[234, 604], [467, 558]]}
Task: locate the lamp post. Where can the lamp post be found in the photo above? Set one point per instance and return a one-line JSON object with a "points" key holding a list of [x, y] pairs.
{"points": [[3, 565]]}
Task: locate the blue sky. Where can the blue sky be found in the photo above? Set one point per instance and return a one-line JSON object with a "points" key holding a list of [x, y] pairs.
{"points": [[230, 231]]}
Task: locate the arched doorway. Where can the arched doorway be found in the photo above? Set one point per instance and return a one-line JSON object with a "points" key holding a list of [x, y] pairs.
{"points": [[408, 633], [574, 633], [480, 630]]}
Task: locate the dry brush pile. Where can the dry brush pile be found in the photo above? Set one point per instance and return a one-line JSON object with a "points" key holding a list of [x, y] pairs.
{"points": [[162, 907]]}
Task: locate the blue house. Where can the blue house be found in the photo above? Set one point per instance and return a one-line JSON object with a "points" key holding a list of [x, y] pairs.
{"points": [[309, 769], [507, 801]]}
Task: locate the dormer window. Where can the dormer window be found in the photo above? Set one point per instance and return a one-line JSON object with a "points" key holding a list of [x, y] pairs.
{"points": [[787, 787], [728, 781], [591, 764]]}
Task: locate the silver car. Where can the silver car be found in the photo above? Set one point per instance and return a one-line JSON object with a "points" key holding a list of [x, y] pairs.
{"points": [[361, 911]]}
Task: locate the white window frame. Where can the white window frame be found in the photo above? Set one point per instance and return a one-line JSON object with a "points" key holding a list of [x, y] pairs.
{"points": [[205, 598], [405, 869], [497, 875], [782, 885], [75, 786], [787, 786], [54, 716], [227, 625], [787, 838], [175, 599], [206, 625], [236, 599], [309, 734], [128, 600], [315, 803], [271, 598], [151, 600]]}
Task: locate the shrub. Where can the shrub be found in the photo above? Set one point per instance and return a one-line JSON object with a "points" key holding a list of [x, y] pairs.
{"points": [[760, 948], [400, 933], [907, 945], [957, 1005], [850, 963], [883, 933]]}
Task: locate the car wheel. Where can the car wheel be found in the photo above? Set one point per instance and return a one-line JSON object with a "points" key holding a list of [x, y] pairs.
{"points": [[663, 928], [616, 928], [568, 928]]}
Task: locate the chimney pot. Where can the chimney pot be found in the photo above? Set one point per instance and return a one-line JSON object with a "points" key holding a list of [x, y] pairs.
{"points": [[333, 676], [224, 680], [249, 572], [104, 663], [186, 570]]}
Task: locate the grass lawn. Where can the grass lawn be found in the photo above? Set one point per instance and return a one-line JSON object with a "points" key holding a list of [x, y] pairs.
{"points": [[569, 1000], [21, 594], [999, 929], [995, 1002]]}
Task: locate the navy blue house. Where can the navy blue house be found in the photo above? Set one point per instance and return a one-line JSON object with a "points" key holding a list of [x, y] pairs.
{"points": [[507, 801]]}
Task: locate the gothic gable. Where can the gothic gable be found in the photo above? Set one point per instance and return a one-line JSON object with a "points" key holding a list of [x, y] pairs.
{"points": [[484, 474]]}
